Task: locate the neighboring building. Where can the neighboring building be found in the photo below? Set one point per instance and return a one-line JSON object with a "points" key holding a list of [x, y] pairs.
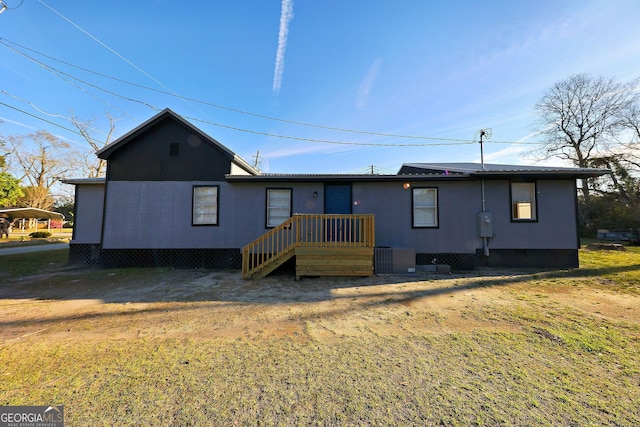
{"points": [[175, 196]]}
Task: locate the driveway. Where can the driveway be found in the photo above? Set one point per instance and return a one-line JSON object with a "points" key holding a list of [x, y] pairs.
{"points": [[35, 248]]}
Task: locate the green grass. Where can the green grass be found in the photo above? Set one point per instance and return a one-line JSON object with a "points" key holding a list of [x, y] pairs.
{"points": [[615, 270], [555, 365], [20, 265], [459, 379]]}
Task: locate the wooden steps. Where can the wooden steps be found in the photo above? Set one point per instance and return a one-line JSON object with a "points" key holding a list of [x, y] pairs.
{"points": [[328, 261], [272, 265], [323, 244]]}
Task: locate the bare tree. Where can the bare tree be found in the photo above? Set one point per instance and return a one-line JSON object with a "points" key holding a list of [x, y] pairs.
{"points": [[40, 160], [3, 153], [94, 166], [631, 121], [580, 118], [36, 197]]}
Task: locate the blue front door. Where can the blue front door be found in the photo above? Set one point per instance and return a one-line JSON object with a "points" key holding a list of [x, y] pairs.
{"points": [[337, 198]]}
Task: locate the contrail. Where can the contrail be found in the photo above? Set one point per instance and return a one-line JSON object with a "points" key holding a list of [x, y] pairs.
{"points": [[285, 17], [367, 84]]}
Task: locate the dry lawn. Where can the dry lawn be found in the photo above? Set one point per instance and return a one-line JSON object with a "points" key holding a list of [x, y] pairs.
{"points": [[203, 347]]}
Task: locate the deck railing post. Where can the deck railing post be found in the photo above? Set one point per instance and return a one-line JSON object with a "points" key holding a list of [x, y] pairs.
{"points": [[319, 230]]}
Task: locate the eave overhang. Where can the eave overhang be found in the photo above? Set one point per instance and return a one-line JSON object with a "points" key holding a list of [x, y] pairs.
{"points": [[342, 178], [84, 181]]}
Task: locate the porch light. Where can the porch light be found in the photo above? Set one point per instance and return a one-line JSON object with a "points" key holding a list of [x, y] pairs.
{"points": [[406, 185]]}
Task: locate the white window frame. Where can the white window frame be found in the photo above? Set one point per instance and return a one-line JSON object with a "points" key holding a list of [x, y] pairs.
{"points": [[419, 207], [278, 208], [205, 204], [524, 206]]}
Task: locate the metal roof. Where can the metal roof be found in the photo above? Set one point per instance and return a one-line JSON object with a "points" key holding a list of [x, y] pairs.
{"points": [[31, 213], [498, 170], [324, 178], [435, 171], [77, 181]]}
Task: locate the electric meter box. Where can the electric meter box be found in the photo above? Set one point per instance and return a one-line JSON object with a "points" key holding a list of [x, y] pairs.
{"points": [[485, 222]]}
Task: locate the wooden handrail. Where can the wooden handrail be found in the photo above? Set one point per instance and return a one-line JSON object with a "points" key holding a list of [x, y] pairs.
{"points": [[318, 230]]}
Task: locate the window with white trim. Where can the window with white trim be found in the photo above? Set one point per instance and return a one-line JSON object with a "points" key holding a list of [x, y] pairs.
{"points": [[523, 201], [278, 206], [205, 205], [425, 207]]}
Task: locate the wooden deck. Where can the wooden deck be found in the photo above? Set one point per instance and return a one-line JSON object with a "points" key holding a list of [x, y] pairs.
{"points": [[324, 245], [327, 261]]}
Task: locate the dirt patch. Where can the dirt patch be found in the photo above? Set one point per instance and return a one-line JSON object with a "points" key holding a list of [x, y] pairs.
{"points": [[201, 304]]}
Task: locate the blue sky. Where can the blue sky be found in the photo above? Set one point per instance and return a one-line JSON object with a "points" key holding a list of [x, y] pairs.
{"points": [[437, 70]]}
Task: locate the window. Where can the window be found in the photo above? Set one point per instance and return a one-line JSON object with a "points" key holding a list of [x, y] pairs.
{"points": [[425, 207], [205, 205], [523, 201], [278, 206]]}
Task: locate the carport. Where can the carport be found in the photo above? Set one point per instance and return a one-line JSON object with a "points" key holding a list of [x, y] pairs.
{"points": [[30, 213]]}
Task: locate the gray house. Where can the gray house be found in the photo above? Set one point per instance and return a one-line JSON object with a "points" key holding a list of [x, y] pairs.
{"points": [[175, 196]]}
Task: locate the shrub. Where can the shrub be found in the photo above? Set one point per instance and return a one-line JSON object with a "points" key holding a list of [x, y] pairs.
{"points": [[39, 234]]}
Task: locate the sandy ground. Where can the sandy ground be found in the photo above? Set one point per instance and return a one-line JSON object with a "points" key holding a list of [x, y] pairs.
{"points": [[203, 304]]}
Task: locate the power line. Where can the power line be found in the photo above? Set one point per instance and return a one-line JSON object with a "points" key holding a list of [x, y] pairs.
{"points": [[101, 43], [364, 144], [253, 132], [234, 110], [40, 118], [59, 74], [325, 141], [56, 72], [41, 111]]}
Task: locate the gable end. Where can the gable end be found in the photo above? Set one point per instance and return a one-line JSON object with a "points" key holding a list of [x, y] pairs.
{"points": [[167, 148]]}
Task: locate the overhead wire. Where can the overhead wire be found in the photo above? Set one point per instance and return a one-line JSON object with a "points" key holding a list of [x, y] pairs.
{"points": [[41, 111], [57, 72], [61, 74], [101, 43], [325, 141], [234, 110], [42, 119]]}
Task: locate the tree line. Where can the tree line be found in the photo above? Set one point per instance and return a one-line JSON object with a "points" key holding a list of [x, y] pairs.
{"points": [[595, 122], [32, 166], [583, 120]]}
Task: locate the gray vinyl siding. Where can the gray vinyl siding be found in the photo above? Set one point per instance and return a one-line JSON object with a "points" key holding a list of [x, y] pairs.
{"points": [[153, 214], [458, 205], [157, 214], [555, 227], [87, 224]]}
